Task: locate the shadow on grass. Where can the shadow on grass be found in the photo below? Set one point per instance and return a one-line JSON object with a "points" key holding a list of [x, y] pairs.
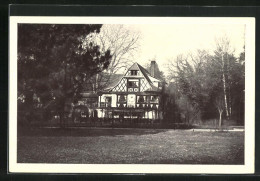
{"points": [[83, 131]]}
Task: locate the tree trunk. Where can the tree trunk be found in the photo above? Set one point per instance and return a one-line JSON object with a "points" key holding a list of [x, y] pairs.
{"points": [[61, 119], [225, 95], [96, 84], [64, 97], [230, 100], [220, 119], [224, 88], [228, 87], [230, 106]]}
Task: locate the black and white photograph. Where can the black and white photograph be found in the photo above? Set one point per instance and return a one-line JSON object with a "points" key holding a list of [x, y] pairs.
{"points": [[138, 94]]}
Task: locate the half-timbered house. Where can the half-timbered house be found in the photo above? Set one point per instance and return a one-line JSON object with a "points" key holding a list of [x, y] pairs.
{"points": [[137, 94]]}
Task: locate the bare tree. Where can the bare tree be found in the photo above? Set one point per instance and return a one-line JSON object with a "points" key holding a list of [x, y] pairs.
{"points": [[223, 51], [189, 76], [98, 82], [202, 76], [123, 43]]}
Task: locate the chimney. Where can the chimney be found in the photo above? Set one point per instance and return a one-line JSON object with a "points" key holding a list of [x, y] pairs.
{"points": [[152, 68]]}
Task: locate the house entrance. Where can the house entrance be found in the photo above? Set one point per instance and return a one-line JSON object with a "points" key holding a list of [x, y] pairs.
{"points": [[108, 101], [131, 99]]}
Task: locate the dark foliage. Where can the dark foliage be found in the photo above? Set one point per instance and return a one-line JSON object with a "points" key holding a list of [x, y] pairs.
{"points": [[202, 80], [53, 62]]}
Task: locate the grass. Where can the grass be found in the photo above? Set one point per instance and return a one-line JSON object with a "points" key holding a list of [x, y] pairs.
{"points": [[125, 146]]}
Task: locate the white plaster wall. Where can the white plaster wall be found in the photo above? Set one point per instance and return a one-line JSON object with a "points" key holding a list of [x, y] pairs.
{"points": [[113, 101], [114, 97], [131, 100], [155, 84], [150, 114], [100, 113]]}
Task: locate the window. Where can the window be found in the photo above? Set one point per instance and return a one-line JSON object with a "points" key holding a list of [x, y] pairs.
{"points": [[154, 99], [133, 72], [141, 99], [121, 98], [107, 102], [133, 84], [95, 114]]}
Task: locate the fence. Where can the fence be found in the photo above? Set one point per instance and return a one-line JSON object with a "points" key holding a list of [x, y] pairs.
{"points": [[113, 123]]}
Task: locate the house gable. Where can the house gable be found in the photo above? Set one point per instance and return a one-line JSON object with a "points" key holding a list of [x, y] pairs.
{"points": [[137, 76], [144, 85]]}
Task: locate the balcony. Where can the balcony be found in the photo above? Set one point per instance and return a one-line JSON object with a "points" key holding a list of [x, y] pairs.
{"points": [[93, 105], [105, 104]]}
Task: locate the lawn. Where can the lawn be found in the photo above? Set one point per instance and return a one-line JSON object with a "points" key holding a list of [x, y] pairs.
{"points": [[125, 146]]}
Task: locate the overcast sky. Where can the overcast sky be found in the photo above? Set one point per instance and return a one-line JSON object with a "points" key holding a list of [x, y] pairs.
{"points": [[165, 42]]}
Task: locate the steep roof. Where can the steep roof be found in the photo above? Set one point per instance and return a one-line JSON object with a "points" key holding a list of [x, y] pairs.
{"points": [[144, 72], [135, 66], [148, 75], [114, 79], [106, 81]]}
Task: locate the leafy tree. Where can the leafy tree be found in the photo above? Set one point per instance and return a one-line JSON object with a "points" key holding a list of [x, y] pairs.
{"points": [[54, 61], [169, 104]]}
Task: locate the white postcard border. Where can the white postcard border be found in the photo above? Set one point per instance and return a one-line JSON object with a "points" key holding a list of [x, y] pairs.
{"points": [[247, 168]]}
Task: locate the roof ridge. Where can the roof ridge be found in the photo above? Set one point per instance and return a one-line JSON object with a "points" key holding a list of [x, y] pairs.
{"points": [[144, 72], [150, 74]]}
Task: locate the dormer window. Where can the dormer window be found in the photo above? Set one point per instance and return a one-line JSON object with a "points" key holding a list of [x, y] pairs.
{"points": [[133, 72]]}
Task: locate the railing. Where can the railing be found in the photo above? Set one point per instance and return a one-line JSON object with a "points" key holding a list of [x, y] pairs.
{"points": [[137, 105], [105, 104], [87, 104], [93, 105]]}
